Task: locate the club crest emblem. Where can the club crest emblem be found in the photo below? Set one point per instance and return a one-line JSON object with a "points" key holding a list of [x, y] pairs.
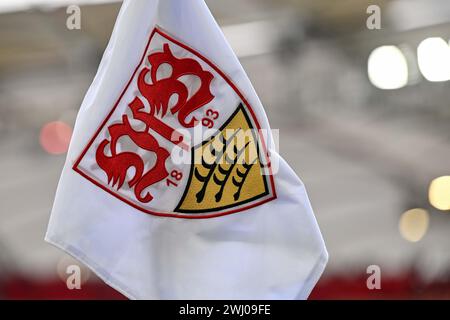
{"points": [[181, 140]]}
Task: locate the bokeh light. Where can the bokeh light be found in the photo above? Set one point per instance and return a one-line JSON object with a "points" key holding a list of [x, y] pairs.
{"points": [[433, 57], [55, 137], [413, 224], [387, 68], [439, 193]]}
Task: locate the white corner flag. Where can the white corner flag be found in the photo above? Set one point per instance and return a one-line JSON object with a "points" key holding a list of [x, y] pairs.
{"points": [[172, 188]]}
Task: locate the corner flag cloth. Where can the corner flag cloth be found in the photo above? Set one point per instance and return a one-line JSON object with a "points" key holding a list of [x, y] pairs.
{"points": [[172, 188]]}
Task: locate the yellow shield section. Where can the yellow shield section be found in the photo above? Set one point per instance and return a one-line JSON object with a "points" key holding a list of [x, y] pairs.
{"points": [[226, 170]]}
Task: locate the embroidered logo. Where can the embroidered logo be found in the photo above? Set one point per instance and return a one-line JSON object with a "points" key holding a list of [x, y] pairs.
{"points": [[147, 152]]}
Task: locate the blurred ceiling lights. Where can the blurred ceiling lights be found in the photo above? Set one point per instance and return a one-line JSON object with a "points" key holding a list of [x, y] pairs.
{"points": [[413, 224], [18, 5], [439, 193], [388, 68], [433, 57]]}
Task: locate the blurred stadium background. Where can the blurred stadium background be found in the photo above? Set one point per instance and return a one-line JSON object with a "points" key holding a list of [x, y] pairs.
{"points": [[364, 120]]}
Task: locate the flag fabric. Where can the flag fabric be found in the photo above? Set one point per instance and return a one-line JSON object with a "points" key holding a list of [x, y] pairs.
{"points": [[172, 187]]}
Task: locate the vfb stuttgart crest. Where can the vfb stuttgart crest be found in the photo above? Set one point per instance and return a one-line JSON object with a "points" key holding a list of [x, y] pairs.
{"points": [[147, 152]]}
